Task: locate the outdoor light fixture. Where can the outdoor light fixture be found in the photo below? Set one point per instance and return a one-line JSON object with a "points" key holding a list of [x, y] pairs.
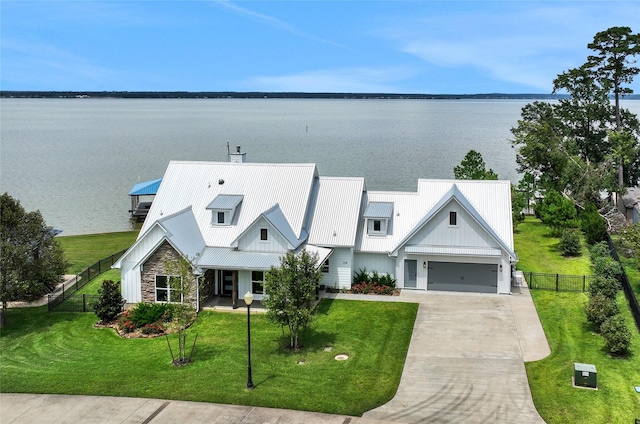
{"points": [[500, 267], [424, 264], [248, 299]]}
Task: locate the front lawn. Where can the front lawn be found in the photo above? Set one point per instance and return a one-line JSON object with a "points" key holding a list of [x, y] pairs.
{"points": [[62, 353]]}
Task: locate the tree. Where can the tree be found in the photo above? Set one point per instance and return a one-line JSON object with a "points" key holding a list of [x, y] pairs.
{"points": [[557, 211], [31, 259], [473, 167], [612, 63], [110, 302], [182, 285], [290, 292], [580, 144], [593, 225]]}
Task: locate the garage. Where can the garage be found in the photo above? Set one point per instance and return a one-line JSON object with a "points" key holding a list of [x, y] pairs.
{"points": [[462, 277]]}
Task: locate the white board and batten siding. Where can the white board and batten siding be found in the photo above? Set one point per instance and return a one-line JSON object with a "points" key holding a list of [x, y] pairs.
{"points": [[250, 240], [340, 272], [380, 262]]}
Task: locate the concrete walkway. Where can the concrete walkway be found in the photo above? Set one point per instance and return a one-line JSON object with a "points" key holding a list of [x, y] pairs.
{"points": [[465, 364]]}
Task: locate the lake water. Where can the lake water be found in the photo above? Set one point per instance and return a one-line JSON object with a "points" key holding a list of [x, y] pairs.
{"points": [[76, 159]]}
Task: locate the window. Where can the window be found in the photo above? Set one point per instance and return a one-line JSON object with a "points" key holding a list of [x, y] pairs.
{"points": [[220, 217], [325, 266], [264, 234], [377, 227], [164, 292], [257, 282], [453, 218]]}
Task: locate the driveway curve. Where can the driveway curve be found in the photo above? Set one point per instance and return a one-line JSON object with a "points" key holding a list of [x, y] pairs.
{"points": [[465, 361]]}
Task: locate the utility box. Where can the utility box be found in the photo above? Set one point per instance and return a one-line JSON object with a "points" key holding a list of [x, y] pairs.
{"points": [[585, 375]]}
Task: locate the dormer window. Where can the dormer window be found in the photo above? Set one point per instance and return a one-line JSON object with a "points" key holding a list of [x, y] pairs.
{"points": [[224, 208], [378, 218]]}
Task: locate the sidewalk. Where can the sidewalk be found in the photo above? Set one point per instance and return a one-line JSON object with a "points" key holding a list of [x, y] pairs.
{"points": [[44, 299]]}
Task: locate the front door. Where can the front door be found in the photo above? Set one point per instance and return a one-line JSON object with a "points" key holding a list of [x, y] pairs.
{"points": [[410, 273], [227, 283]]}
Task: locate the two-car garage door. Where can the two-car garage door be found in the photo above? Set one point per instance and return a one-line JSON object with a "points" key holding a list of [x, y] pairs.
{"points": [[463, 277]]}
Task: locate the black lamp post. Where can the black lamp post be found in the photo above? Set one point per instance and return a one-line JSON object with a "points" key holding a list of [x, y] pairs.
{"points": [[248, 299]]}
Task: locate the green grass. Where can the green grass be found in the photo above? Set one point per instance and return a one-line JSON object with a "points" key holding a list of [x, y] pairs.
{"points": [[538, 251], [572, 340], [82, 251], [62, 353]]}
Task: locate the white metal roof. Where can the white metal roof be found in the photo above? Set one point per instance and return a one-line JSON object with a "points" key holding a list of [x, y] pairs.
{"points": [[490, 199], [335, 211], [225, 201], [196, 184], [226, 258], [379, 210]]}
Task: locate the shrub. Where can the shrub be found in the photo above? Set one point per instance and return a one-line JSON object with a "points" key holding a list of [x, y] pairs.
{"points": [[149, 313], [570, 242], [125, 323], [371, 288], [616, 335], [607, 267], [608, 287], [599, 309], [110, 302], [362, 276], [593, 225], [599, 250], [387, 280], [155, 328]]}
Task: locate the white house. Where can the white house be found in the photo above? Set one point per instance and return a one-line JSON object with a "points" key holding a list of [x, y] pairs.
{"points": [[234, 220]]}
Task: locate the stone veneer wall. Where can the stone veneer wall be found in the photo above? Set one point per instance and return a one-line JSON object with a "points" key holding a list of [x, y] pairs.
{"points": [[155, 266]]}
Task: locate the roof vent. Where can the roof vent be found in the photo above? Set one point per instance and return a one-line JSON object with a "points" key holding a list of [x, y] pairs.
{"points": [[220, 181]]}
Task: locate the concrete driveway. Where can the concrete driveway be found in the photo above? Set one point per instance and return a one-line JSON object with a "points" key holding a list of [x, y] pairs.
{"points": [[465, 362]]}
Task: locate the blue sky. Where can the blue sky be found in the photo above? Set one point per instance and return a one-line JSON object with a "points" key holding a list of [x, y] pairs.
{"points": [[439, 47]]}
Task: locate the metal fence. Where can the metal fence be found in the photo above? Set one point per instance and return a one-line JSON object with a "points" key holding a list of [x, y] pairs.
{"points": [[557, 282], [626, 286], [560, 282], [67, 290], [75, 303]]}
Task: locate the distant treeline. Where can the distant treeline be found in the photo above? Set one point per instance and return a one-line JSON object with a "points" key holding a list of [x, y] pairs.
{"points": [[263, 95]]}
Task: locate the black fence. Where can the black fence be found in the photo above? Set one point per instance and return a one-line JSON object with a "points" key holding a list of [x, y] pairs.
{"points": [[626, 286], [67, 290], [557, 282], [75, 303]]}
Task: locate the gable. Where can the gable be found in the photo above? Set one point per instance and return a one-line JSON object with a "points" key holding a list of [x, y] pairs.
{"points": [[439, 231], [251, 239]]}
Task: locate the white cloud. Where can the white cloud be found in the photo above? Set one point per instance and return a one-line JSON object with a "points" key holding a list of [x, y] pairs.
{"points": [[350, 80], [522, 43], [271, 21]]}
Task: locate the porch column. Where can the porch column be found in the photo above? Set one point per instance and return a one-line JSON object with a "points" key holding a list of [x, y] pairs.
{"points": [[234, 289]]}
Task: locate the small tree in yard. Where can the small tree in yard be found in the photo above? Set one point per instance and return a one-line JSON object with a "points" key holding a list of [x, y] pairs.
{"points": [[181, 283], [110, 302], [616, 335], [290, 292]]}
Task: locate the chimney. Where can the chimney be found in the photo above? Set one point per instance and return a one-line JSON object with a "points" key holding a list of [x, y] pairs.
{"points": [[237, 157]]}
